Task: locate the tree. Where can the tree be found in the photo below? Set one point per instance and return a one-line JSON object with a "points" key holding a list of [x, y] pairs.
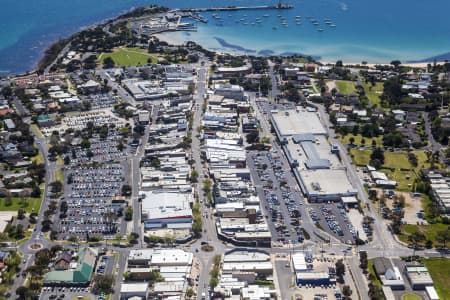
{"points": [[128, 214], [415, 239], [340, 270], [377, 158], [252, 137], [396, 63], [194, 176], [189, 293], [374, 143], [20, 214], [108, 63], [66, 160], [351, 140], [103, 283], [126, 190], [442, 237], [23, 292], [346, 291]]}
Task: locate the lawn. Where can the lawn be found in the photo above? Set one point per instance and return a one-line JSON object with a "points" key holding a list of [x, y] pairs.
{"points": [[411, 296], [345, 86], [371, 269], [430, 231], [59, 175], [360, 157], [36, 130], [404, 173], [373, 92], [28, 205], [38, 158], [439, 269], [358, 138], [124, 57]]}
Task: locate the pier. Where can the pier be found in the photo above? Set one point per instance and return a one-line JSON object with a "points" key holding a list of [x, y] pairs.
{"points": [[233, 8]]}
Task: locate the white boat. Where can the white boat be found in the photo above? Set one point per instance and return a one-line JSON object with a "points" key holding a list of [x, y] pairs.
{"points": [[266, 16]]}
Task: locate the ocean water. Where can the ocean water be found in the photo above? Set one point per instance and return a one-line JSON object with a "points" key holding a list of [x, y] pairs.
{"points": [[375, 31]]}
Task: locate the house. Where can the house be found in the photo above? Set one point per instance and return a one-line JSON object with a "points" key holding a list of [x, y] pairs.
{"points": [[63, 262], [399, 114], [44, 121], [388, 274]]}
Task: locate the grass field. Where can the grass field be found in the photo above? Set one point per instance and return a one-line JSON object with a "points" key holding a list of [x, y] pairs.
{"points": [[396, 160], [29, 205], [125, 57], [373, 93], [439, 269], [411, 296], [345, 86], [358, 138], [430, 231]]}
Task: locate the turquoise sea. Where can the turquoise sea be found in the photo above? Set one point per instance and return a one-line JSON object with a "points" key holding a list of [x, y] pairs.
{"points": [[375, 31]]}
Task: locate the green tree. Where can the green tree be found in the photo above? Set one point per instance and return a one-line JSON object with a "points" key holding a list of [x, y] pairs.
{"points": [[103, 283], [128, 214], [108, 63]]}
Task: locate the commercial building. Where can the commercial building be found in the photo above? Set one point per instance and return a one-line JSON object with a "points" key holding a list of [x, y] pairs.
{"points": [[240, 270], [166, 209], [315, 163], [174, 265], [440, 189], [134, 291], [418, 277], [79, 273]]}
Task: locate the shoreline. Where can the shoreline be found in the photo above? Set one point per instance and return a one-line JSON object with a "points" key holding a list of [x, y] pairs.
{"points": [[226, 47], [169, 38]]}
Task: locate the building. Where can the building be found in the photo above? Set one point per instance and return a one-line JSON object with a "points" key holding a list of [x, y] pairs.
{"points": [[440, 189], [166, 209], [418, 277], [230, 91], [315, 163], [388, 274], [133, 290], [79, 273]]}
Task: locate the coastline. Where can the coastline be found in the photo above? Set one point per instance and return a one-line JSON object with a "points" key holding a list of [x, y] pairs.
{"points": [[222, 47], [172, 39]]}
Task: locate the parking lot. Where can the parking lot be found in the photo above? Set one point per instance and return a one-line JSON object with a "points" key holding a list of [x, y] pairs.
{"points": [[55, 293], [89, 209], [100, 150], [333, 218], [282, 204], [101, 100], [106, 265]]}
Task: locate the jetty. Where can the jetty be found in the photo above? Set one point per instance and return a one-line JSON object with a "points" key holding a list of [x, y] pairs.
{"points": [[234, 8]]}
